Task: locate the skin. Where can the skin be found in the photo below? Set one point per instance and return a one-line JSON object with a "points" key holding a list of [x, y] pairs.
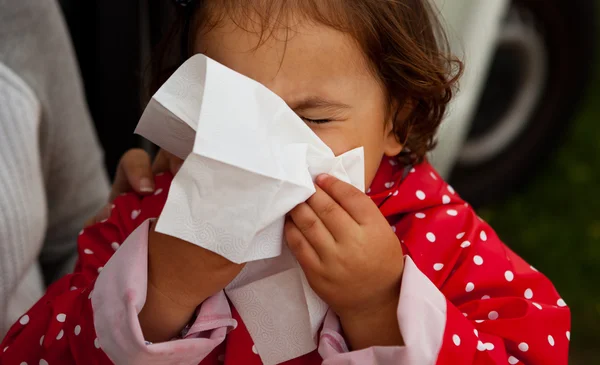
{"points": [[316, 63], [135, 172], [351, 257]]}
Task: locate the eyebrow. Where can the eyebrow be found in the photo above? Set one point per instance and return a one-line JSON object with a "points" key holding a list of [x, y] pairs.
{"points": [[315, 102]]}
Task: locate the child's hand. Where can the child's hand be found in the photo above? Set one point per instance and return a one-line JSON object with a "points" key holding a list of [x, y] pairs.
{"points": [[180, 277], [185, 273], [352, 258]]}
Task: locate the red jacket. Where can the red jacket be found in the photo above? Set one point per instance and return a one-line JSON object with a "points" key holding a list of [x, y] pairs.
{"points": [[466, 297]]}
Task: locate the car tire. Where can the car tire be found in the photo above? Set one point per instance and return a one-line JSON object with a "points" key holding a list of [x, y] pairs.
{"points": [[492, 165]]}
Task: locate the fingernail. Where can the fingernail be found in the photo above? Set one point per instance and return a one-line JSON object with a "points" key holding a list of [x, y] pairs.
{"points": [[146, 185], [321, 178]]}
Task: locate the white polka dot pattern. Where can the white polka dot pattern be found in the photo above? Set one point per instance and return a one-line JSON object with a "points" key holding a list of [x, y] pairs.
{"points": [[485, 282]]}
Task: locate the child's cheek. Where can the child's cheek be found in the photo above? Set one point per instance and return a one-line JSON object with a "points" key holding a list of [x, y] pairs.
{"points": [[342, 137], [338, 139]]}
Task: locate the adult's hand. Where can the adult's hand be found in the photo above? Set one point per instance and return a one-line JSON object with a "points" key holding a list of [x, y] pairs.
{"points": [[136, 173]]}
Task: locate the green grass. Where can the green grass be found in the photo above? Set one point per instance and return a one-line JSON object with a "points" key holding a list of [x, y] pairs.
{"points": [[554, 223]]}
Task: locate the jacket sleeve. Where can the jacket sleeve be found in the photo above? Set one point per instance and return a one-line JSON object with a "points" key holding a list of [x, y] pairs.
{"points": [[90, 316], [466, 298]]}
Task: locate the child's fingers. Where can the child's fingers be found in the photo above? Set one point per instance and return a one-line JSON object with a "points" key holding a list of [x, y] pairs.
{"points": [[355, 202], [302, 250], [313, 229], [335, 218]]}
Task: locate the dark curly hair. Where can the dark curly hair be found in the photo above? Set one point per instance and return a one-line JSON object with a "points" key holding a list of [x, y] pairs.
{"points": [[403, 40]]}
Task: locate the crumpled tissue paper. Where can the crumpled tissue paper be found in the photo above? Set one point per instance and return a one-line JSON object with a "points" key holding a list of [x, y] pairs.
{"points": [[249, 160]]}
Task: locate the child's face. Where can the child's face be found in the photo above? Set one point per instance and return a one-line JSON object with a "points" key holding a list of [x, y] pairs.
{"points": [[322, 76]]}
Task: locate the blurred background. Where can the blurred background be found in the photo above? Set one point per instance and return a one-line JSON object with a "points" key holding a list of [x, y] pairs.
{"points": [[529, 155], [553, 222], [521, 141]]}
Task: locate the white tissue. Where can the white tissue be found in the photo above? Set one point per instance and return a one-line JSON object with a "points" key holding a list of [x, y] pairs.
{"points": [[249, 159]]}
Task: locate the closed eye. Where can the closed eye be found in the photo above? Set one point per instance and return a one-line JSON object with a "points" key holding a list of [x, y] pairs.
{"points": [[316, 121]]}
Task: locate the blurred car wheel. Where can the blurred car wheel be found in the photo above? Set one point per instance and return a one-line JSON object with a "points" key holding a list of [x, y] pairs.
{"points": [[542, 65]]}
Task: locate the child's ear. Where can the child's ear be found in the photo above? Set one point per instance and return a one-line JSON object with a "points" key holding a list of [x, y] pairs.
{"points": [[392, 145]]}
